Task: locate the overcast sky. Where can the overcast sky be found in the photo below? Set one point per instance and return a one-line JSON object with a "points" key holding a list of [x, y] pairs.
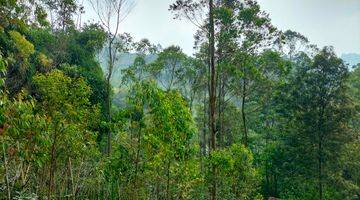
{"points": [[324, 22]]}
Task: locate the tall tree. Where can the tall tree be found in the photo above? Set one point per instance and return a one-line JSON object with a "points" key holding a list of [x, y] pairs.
{"points": [[112, 13], [62, 13], [254, 32], [319, 113], [191, 10], [69, 117]]}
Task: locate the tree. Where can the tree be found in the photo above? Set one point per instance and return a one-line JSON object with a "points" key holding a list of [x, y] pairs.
{"points": [[354, 84], [61, 13], [110, 13], [190, 10], [238, 179], [350, 178], [255, 31], [167, 68], [19, 65], [160, 129], [292, 43], [65, 104], [140, 69], [2, 118], [254, 113], [318, 112]]}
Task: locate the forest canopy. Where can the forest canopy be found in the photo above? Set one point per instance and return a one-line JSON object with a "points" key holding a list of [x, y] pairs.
{"points": [[255, 113]]}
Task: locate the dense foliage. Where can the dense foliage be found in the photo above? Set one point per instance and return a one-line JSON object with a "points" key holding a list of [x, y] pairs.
{"points": [[256, 113]]}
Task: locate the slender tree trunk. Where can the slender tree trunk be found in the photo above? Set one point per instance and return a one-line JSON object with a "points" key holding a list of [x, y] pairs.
{"points": [[212, 101], [243, 114], [320, 164], [203, 133], [137, 160], [22, 166], [72, 187], [320, 171], [267, 181], [219, 102], [222, 111], [6, 173], [212, 77], [157, 185], [172, 77], [52, 164], [168, 181], [108, 95], [275, 185], [221, 98], [320, 145]]}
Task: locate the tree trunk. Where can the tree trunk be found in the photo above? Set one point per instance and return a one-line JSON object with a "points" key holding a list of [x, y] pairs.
{"points": [[212, 102], [6, 173], [203, 134], [243, 114], [320, 145], [137, 160], [72, 187], [168, 181], [52, 164], [219, 108], [108, 95], [320, 163], [212, 78]]}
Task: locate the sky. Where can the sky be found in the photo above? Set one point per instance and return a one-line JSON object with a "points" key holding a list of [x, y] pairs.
{"points": [[323, 22]]}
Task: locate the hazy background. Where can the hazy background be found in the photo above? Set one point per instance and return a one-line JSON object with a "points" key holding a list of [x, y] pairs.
{"points": [[324, 22]]}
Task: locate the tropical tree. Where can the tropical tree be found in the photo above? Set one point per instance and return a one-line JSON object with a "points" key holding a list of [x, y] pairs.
{"points": [[319, 114], [69, 120]]}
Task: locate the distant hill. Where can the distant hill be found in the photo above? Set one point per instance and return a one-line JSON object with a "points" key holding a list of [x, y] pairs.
{"points": [[124, 61], [127, 59], [351, 58]]}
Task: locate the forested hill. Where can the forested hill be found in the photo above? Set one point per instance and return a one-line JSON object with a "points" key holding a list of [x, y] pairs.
{"points": [[351, 58], [123, 61], [88, 112]]}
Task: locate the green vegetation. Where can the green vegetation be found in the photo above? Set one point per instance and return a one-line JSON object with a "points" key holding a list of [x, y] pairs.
{"points": [[256, 113]]}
